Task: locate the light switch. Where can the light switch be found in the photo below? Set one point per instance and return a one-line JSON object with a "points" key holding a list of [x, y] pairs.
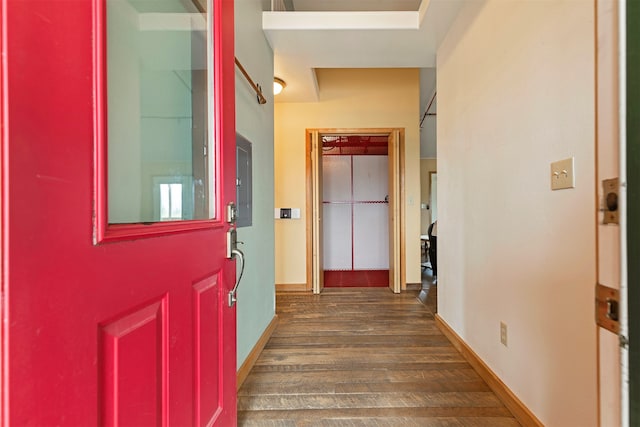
{"points": [[562, 174]]}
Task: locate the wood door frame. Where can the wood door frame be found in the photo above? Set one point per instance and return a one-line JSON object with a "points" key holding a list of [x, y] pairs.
{"points": [[309, 177], [631, 153], [316, 213]]}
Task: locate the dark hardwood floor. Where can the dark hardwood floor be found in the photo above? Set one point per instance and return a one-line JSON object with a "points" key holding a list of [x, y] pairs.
{"points": [[364, 357]]}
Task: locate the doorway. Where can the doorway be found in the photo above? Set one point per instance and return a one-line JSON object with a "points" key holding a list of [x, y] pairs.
{"points": [[355, 210], [390, 141]]}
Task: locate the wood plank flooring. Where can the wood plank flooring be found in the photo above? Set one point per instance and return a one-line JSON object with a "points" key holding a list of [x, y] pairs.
{"points": [[363, 357]]}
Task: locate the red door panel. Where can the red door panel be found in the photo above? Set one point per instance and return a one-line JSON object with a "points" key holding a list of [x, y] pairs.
{"points": [[129, 330], [207, 390], [133, 367]]}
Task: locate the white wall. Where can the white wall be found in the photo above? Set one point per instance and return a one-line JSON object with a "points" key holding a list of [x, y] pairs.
{"points": [[516, 92], [256, 295]]}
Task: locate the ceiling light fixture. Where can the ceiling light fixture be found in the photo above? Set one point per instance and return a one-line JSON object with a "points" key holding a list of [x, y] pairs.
{"points": [[278, 85]]}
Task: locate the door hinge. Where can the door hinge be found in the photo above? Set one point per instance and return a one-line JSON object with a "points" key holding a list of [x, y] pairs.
{"points": [[624, 341]]}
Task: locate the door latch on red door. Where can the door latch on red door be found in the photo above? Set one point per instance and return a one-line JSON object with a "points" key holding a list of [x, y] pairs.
{"points": [[232, 242], [231, 214]]}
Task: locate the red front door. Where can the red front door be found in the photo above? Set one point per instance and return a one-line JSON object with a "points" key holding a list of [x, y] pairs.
{"points": [[118, 160]]}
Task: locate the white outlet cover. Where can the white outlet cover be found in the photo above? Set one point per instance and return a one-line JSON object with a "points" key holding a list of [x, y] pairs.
{"points": [[563, 174], [503, 333]]}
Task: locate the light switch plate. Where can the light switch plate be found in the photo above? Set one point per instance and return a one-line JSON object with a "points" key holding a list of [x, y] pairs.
{"points": [[562, 174]]}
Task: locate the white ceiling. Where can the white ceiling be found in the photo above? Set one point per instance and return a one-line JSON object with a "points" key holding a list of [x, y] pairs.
{"points": [[372, 34]]}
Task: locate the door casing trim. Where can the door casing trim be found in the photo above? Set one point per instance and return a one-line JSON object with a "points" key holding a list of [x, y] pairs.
{"points": [[400, 238]]}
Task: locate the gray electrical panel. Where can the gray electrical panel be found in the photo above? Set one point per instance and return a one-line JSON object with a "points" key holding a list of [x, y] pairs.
{"points": [[244, 196]]}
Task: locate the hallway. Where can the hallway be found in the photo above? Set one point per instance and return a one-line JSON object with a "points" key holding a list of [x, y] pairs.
{"points": [[363, 357]]}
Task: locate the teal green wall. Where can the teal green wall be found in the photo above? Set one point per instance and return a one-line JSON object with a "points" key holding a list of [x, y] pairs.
{"points": [[256, 294]]}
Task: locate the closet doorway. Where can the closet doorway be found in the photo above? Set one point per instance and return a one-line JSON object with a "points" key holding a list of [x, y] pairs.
{"points": [[354, 200]]}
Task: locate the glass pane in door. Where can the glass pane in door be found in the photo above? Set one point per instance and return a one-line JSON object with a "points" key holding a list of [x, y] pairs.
{"points": [[160, 162]]}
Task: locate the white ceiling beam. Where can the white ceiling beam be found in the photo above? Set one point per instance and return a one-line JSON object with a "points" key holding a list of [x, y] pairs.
{"points": [[340, 21]]}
